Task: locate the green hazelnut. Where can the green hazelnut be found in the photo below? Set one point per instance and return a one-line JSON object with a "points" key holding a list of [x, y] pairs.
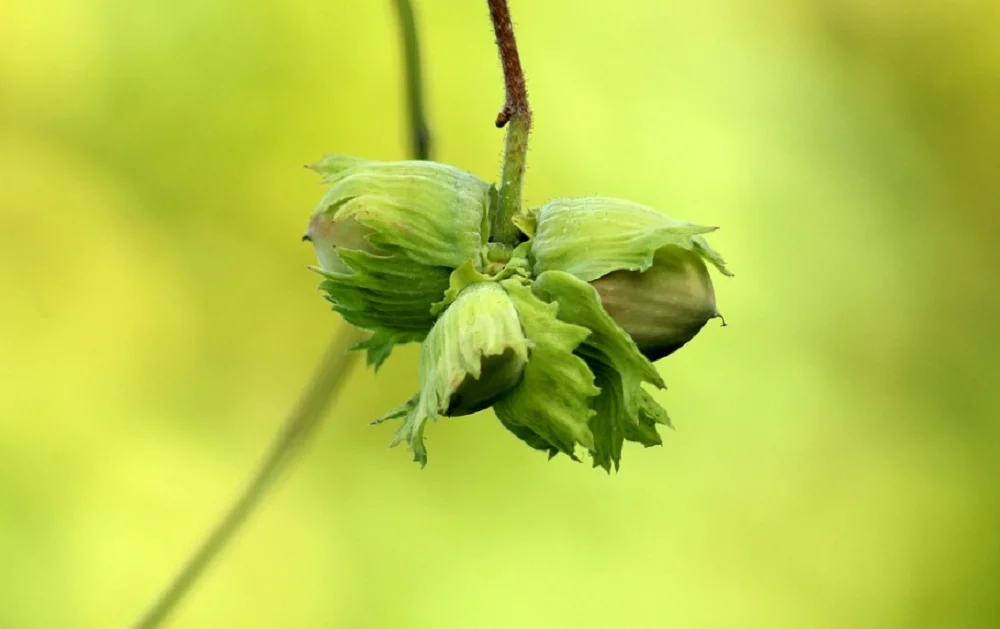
{"points": [[388, 235], [649, 269]]}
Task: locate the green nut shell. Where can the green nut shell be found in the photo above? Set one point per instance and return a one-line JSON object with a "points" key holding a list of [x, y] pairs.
{"points": [[663, 307]]}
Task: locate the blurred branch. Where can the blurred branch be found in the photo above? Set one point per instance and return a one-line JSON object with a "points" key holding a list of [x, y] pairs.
{"points": [[295, 432], [517, 116], [420, 135], [329, 377]]}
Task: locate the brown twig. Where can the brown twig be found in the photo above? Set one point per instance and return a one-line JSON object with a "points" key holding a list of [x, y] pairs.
{"points": [[516, 101], [517, 113]]}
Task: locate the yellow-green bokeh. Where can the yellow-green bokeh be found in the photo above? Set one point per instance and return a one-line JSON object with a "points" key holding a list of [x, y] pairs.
{"points": [[837, 452]]}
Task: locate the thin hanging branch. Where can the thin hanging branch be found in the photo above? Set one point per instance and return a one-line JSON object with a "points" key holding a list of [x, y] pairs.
{"points": [[302, 423], [516, 116], [420, 135]]}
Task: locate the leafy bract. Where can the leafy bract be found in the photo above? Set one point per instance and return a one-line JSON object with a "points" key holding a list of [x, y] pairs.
{"points": [[590, 237], [435, 213], [622, 410], [386, 294], [550, 409]]}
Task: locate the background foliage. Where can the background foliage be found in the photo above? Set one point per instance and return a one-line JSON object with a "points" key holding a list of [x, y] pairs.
{"points": [[836, 452]]}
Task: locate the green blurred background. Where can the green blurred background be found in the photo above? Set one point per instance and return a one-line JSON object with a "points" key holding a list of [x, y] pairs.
{"points": [[837, 452]]}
